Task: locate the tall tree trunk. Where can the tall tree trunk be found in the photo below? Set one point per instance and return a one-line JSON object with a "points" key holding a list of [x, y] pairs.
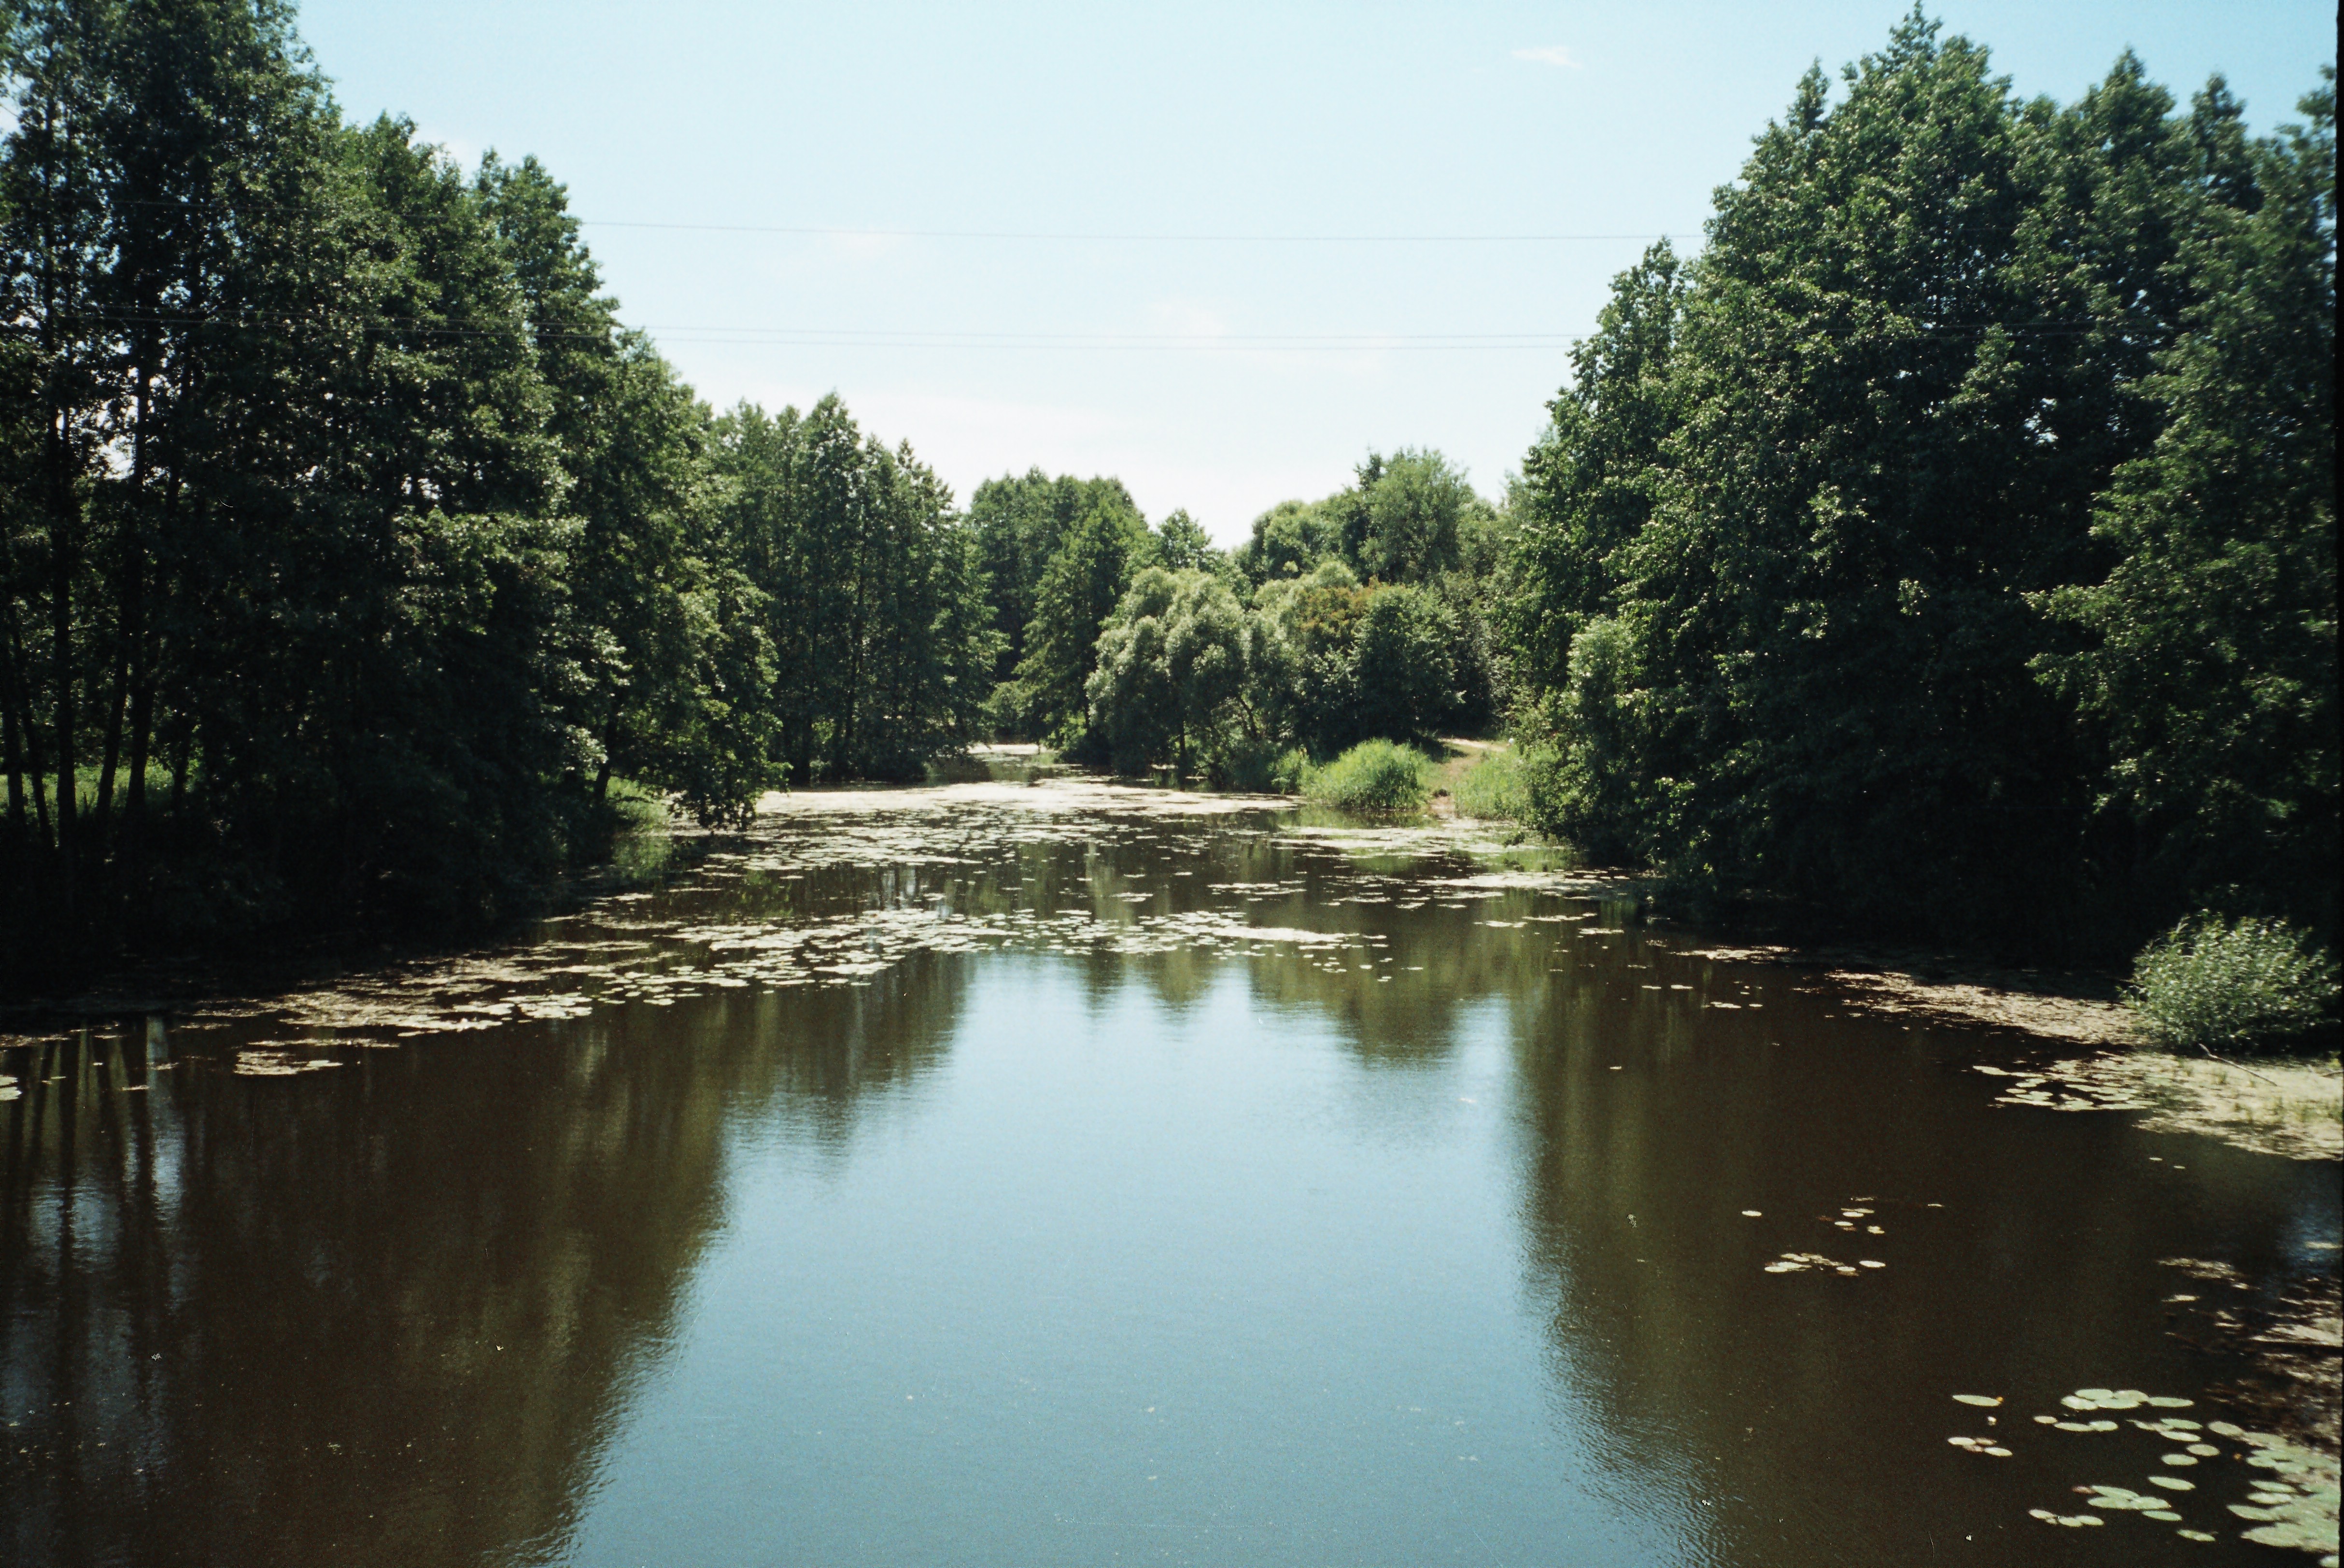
{"points": [[102, 825], [19, 697], [55, 459], [11, 757], [61, 557], [134, 805], [182, 746]]}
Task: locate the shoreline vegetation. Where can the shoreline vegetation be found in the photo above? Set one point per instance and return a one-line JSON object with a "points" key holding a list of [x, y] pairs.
{"points": [[363, 576]]}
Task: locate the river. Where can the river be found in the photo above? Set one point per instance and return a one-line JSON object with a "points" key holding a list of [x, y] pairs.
{"points": [[964, 1177]]}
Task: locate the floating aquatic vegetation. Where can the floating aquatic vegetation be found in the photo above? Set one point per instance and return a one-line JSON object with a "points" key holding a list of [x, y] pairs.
{"points": [[274, 1062], [2071, 1521], [2295, 1500], [1988, 1400], [1986, 1446], [2120, 1399], [1799, 1262], [2291, 1108]]}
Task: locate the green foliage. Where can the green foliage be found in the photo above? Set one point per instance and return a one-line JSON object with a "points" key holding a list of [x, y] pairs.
{"points": [[1171, 670], [1404, 665], [1372, 777], [1496, 787], [2217, 983], [869, 590], [1238, 760], [353, 548], [1021, 522], [1958, 524], [2209, 661], [1108, 544], [1410, 517], [1586, 785], [1289, 539], [1183, 545]]}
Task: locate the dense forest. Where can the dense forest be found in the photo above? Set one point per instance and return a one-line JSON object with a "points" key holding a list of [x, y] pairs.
{"points": [[1950, 541]]}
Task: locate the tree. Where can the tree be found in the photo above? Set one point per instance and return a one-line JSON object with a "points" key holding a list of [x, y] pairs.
{"points": [[1792, 549], [1171, 672], [1020, 523], [2210, 664], [1105, 547]]}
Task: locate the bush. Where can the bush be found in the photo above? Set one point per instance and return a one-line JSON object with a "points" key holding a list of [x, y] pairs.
{"points": [[1374, 775], [1287, 774], [1256, 767], [2209, 981], [1494, 787]]}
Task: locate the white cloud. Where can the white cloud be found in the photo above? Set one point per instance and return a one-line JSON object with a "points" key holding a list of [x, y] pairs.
{"points": [[1549, 55]]}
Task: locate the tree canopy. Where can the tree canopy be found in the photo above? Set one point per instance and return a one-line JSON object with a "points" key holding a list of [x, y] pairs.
{"points": [[1961, 520]]}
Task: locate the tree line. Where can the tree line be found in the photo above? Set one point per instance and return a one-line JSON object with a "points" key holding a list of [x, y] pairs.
{"points": [[1950, 543], [1359, 615], [350, 547]]}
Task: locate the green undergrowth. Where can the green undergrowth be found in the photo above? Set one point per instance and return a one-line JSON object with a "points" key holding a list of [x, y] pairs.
{"points": [[1494, 787], [2246, 985], [1372, 777]]}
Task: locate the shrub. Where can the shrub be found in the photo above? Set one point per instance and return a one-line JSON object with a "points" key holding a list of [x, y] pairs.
{"points": [[1287, 774], [1374, 775], [1256, 767], [1494, 787], [2210, 982]]}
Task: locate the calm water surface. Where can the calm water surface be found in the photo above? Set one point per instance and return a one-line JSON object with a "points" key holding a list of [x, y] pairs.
{"points": [[962, 1186]]}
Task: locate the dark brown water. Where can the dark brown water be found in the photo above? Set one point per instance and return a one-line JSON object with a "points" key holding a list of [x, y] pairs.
{"points": [[962, 1187]]}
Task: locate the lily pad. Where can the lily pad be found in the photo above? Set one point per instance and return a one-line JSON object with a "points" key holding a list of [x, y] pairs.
{"points": [[1978, 1399]]}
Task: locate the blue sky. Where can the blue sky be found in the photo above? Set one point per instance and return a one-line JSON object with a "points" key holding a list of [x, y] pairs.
{"points": [[1210, 367]]}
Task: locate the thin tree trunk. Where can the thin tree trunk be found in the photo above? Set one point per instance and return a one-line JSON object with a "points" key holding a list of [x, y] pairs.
{"points": [[102, 828], [18, 694], [54, 456], [15, 762], [134, 805], [134, 639], [181, 751], [35, 766]]}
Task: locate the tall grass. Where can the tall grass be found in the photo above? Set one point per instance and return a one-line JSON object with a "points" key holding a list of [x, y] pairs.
{"points": [[1494, 786], [1374, 775], [2211, 982]]}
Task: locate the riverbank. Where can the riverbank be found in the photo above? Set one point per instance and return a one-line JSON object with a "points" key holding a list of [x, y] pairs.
{"points": [[2077, 1045]]}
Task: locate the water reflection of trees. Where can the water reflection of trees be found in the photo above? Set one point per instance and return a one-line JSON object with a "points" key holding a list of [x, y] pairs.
{"points": [[387, 1312], [1803, 1418]]}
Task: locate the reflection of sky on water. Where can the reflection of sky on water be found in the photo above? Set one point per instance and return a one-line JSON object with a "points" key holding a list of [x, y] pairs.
{"points": [[1044, 1216]]}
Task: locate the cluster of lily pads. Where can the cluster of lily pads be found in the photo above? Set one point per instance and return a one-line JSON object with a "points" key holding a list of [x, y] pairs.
{"points": [[2293, 1502], [1800, 1262], [1850, 1219]]}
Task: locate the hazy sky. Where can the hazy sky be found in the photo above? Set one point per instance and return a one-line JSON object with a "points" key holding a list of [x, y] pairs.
{"points": [[1141, 323]]}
